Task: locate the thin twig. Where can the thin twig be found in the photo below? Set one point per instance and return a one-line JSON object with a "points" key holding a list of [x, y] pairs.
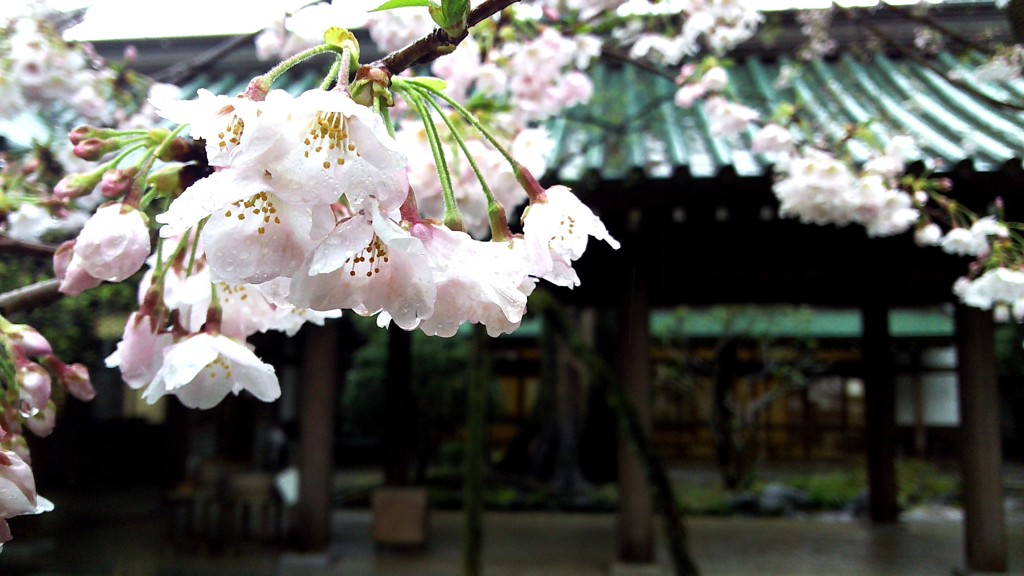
{"points": [[31, 296], [438, 42], [10, 246]]}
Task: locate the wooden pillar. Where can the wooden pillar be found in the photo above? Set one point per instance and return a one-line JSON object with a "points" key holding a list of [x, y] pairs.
{"points": [[636, 511], [316, 437], [981, 442], [399, 409], [879, 414]]}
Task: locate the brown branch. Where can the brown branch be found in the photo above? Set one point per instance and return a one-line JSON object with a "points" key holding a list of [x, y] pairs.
{"points": [[619, 56], [31, 296], [438, 42], [10, 246]]}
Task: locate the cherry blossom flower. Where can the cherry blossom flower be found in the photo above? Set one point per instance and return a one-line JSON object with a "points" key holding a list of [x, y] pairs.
{"points": [[42, 422], [973, 241], [725, 117], [202, 369], [368, 264], [324, 144], [139, 354], [772, 138], [477, 282], [960, 241], [30, 341], [995, 286], [73, 278], [556, 229], [221, 121], [262, 238], [244, 310]]}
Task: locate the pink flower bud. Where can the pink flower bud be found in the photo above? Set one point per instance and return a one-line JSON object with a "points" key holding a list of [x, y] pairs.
{"points": [[76, 280], [114, 243], [75, 185], [80, 134], [117, 183], [42, 423], [77, 382], [31, 342], [74, 378], [34, 382], [17, 485], [93, 149], [62, 259]]}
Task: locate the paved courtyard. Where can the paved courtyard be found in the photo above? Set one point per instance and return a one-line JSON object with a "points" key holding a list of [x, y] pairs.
{"points": [[127, 535]]}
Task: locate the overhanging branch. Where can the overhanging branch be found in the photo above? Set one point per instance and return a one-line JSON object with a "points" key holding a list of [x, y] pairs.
{"points": [[438, 42], [31, 296]]}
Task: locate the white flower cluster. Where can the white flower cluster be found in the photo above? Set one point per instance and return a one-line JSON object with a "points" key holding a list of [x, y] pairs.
{"points": [[1000, 288], [819, 189], [310, 212], [718, 25], [38, 69], [973, 241]]}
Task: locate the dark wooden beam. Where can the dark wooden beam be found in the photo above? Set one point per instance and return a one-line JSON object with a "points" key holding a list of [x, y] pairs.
{"points": [[981, 443], [316, 437], [636, 509], [879, 415]]}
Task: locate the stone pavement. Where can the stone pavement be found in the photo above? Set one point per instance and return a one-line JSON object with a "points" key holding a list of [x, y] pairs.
{"points": [[126, 535]]}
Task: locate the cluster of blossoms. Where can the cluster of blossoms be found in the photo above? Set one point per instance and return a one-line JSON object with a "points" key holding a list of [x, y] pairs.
{"points": [[995, 280], [814, 25], [63, 85], [285, 209], [819, 187], [39, 69], [718, 25], [308, 210], [28, 368], [707, 83]]}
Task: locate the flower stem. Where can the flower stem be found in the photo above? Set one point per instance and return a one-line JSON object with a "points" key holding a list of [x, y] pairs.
{"points": [[260, 85], [147, 165], [195, 245], [495, 211], [517, 169], [452, 215], [334, 73]]}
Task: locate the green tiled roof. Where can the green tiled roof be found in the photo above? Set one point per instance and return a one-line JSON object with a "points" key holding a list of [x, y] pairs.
{"points": [[632, 126]]}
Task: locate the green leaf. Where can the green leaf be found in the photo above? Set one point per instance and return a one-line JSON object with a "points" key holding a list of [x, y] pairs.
{"points": [[392, 4], [455, 12], [451, 16], [430, 83]]}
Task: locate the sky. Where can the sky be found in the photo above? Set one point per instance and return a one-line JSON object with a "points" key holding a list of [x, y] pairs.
{"points": [[118, 19]]}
